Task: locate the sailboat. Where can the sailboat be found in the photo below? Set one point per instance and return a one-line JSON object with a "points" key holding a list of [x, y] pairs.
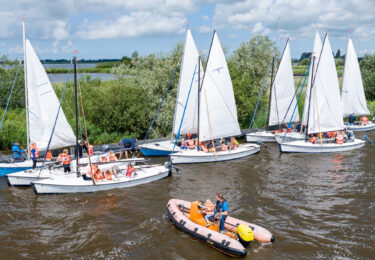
{"points": [[352, 93], [217, 112], [324, 113], [282, 100], [293, 136], [77, 184], [42, 106], [185, 119]]}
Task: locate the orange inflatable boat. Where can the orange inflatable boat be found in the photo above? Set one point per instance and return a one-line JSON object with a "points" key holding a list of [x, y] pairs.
{"points": [[189, 217]]}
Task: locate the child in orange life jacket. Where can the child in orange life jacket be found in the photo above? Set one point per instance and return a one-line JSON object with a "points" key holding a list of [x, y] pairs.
{"points": [[90, 172], [103, 159], [49, 156], [66, 161], [34, 154], [108, 175], [112, 157], [224, 147], [233, 143], [208, 211], [130, 172], [98, 175], [312, 139]]}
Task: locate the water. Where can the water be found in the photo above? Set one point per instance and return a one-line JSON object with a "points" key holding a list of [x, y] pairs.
{"points": [[317, 206], [61, 77]]}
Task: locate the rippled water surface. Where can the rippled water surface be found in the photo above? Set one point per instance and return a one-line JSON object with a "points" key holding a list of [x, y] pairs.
{"points": [[317, 206]]}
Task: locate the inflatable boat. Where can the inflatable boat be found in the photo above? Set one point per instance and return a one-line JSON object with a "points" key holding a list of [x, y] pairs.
{"points": [[189, 217]]}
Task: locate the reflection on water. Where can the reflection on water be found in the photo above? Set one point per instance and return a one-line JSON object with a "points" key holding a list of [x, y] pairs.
{"points": [[317, 206]]}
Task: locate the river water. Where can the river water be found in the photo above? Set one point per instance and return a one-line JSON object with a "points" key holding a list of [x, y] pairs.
{"points": [[317, 206]]}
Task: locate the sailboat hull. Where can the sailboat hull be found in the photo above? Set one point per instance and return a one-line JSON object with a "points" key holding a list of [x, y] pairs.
{"points": [[193, 156], [307, 147], [358, 128], [289, 137], [6, 168], [61, 185], [261, 136], [164, 148]]}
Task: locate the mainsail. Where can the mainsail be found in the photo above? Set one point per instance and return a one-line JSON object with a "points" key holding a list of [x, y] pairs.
{"points": [[316, 52], [188, 83], [283, 98], [325, 107], [43, 107], [352, 93], [217, 112]]}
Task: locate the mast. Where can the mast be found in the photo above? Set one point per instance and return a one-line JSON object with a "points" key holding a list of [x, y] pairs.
{"points": [[76, 107], [26, 90], [199, 98], [269, 98], [311, 87]]}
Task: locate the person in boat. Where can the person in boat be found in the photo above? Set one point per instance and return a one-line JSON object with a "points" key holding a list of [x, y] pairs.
{"points": [[208, 211], [98, 175], [65, 158], [364, 120], [211, 146], [190, 142], [49, 156], [349, 136], [130, 172], [111, 157], [34, 154], [351, 119], [184, 144], [90, 172], [339, 138], [224, 146], [91, 149], [312, 139], [17, 152], [108, 175], [233, 143], [221, 209], [103, 159], [127, 144], [82, 147]]}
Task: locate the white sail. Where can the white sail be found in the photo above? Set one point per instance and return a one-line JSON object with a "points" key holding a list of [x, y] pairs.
{"points": [[186, 84], [43, 107], [325, 108], [218, 112], [315, 53], [283, 99], [352, 93]]}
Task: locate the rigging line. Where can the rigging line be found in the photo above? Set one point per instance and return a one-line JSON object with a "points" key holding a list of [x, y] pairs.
{"points": [[10, 95], [159, 107], [54, 124], [183, 114], [296, 105], [295, 93], [317, 115], [260, 95], [85, 129], [210, 124]]}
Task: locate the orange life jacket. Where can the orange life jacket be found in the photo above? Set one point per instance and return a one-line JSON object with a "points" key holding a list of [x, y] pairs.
{"points": [[103, 159], [49, 156], [90, 171], [364, 120], [36, 151], [91, 149], [112, 157], [190, 144], [108, 176], [204, 149], [98, 175], [320, 135], [339, 138], [313, 139], [224, 147], [65, 159], [129, 172]]}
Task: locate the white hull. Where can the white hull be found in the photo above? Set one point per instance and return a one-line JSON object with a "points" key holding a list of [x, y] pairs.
{"points": [[289, 137], [307, 147], [194, 156], [368, 127], [261, 136], [25, 178], [79, 185]]}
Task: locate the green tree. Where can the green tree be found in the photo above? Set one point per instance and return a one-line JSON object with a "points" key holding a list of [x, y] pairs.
{"points": [[338, 54], [367, 65], [248, 67]]}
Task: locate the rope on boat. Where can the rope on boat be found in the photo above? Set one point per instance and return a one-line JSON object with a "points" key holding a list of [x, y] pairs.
{"points": [[260, 95], [210, 124], [54, 124], [10, 95], [183, 114], [299, 96], [165, 95]]}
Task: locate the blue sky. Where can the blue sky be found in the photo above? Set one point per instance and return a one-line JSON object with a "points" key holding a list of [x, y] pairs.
{"points": [[115, 28]]}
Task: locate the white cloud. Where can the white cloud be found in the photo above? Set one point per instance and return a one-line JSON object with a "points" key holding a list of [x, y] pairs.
{"points": [[60, 32], [259, 29], [204, 29], [205, 17]]}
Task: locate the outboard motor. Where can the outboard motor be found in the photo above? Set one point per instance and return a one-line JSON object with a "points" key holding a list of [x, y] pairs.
{"points": [[245, 234], [365, 138]]}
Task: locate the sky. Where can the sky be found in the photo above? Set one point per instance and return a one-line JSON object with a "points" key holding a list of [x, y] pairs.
{"points": [[117, 28]]}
